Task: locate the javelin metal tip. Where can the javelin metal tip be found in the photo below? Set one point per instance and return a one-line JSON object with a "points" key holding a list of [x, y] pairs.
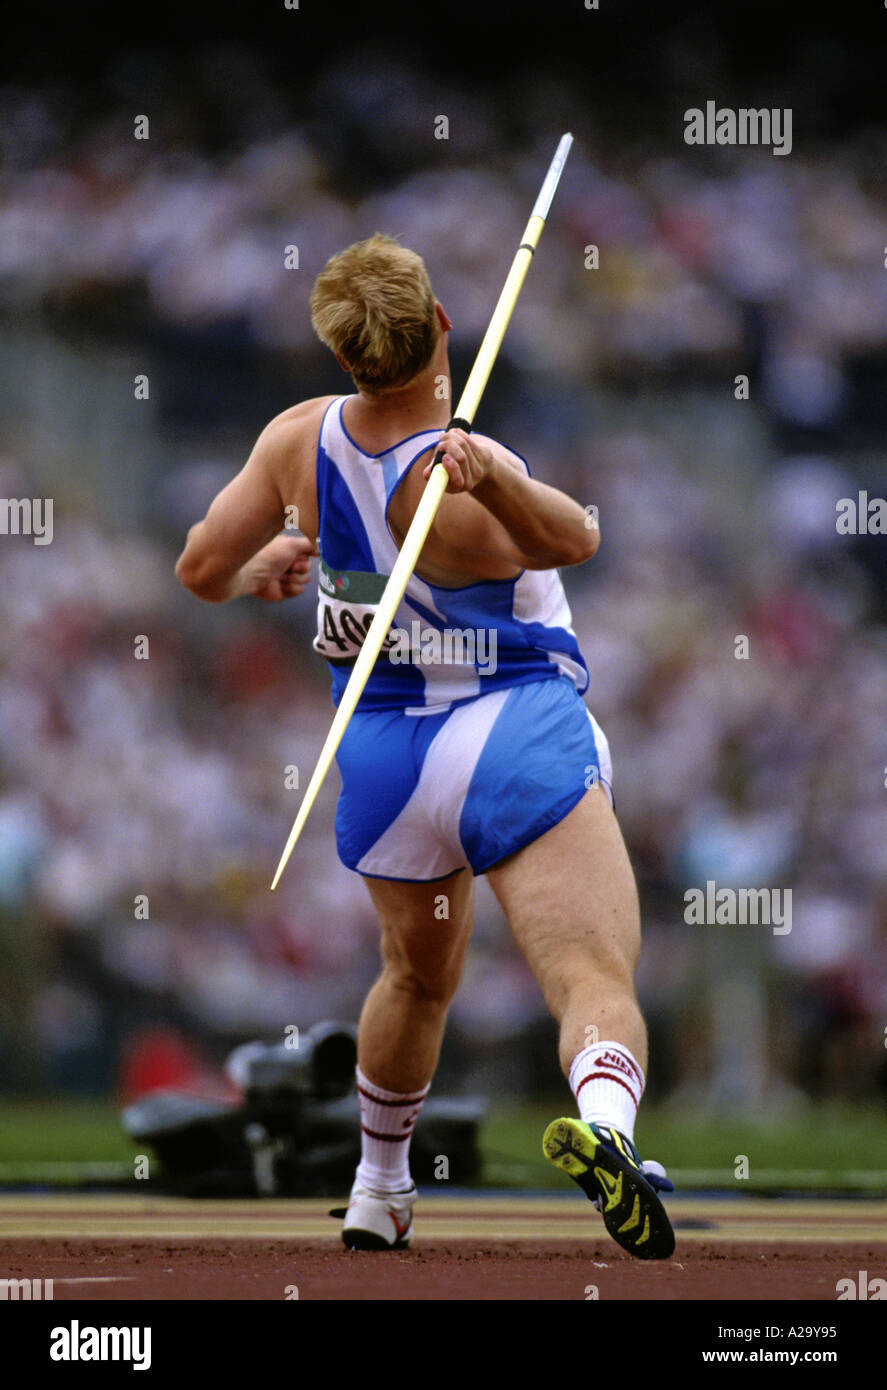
{"points": [[552, 178]]}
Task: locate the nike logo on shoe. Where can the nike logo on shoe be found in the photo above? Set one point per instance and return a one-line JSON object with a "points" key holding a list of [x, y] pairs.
{"points": [[400, 1229]]}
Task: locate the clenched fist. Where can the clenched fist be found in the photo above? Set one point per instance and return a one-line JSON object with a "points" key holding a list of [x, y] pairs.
{"points": [[282, 568]]}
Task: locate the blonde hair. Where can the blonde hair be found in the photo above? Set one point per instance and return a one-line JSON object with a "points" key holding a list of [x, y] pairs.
{"points": [[373, 305]]}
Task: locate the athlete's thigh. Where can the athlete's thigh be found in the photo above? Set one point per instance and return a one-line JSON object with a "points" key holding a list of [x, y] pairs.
{"points": [[425, 926], [572, 892]]}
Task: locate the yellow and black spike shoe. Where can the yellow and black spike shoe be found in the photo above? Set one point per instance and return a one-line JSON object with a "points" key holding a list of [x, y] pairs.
{"points": [[607, 1167]]}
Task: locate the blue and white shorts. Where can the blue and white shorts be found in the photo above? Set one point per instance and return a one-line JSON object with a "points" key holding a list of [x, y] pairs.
{"points": [[423, 796]]}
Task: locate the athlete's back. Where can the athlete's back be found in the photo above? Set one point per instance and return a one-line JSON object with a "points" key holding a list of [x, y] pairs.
{"points": [[448, 641]]}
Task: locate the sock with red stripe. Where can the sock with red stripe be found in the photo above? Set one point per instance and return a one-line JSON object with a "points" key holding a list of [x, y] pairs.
{"points": [[608, 1084], [386, 1126]]}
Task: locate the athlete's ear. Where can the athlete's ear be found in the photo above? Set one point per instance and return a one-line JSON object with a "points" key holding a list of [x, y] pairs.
{"points": [[443, 318], [343, 364]]}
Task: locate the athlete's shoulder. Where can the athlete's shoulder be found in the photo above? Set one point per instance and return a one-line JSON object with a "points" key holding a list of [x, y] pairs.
{"points": [[287, 445], [285, 452], [293, 424]]}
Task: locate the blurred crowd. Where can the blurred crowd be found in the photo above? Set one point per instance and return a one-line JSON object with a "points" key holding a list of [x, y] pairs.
{"points": [[146, 792], [189, 210]]}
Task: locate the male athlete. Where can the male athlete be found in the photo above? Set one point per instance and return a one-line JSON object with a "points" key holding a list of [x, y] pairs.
{"points": [[490, 764]]}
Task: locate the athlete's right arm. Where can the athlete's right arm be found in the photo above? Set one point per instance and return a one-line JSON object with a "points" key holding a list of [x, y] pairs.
{"points": [[238, 549]]}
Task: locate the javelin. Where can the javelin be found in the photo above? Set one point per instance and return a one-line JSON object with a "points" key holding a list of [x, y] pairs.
{"points": [[430, 501]]}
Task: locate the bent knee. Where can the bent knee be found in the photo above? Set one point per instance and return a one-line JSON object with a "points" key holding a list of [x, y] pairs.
{"points": [[426, 986]]}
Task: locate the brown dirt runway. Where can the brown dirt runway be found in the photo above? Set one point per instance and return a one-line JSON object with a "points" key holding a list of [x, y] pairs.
{"points": [[466, 1247]]}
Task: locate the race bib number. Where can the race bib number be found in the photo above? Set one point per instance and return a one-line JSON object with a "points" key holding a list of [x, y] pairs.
{"points": [[347, 603]]}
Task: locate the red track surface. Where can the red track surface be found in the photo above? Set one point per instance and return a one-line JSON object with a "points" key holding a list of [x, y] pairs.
{"points": [[466, 1248]]}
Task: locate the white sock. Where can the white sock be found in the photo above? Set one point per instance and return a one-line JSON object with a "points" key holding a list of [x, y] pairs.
{"points": [[386, 1126], [608, 1084]]}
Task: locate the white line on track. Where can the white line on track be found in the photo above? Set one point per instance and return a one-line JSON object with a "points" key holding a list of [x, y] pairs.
{"points": [[96, 1279]]}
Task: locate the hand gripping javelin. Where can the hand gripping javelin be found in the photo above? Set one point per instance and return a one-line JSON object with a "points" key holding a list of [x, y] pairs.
{"points": [[431, 497]]}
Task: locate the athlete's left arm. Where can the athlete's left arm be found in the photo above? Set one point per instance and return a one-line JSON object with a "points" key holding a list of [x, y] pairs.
{"points": [[237, 549], [523, 521]]}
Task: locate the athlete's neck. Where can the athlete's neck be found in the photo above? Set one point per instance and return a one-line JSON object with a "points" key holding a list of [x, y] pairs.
{"points": [[423, 404]]}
